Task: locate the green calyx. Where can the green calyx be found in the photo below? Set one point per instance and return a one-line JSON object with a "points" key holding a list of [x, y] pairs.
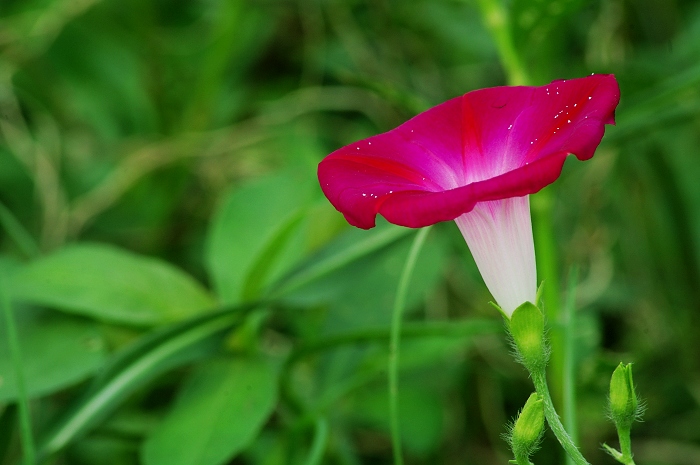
{"points": [[527, 329], [624, 405], [527, 431]]}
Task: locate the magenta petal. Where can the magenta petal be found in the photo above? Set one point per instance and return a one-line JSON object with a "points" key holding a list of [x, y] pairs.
{"points": [[489, 144]]}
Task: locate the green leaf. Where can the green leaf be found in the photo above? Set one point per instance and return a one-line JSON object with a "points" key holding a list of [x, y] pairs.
{"points": [[131, 369], [422, 413], [220, 410], [57, 351], [110, 284], [255, 235], [345, 250]]}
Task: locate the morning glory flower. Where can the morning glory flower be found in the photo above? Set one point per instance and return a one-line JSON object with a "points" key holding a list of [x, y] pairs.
{"points": [[475, 159]]}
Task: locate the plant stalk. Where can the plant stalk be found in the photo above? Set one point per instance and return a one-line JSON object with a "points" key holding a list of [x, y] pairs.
{"points": [[539, 379], [397, 315]]}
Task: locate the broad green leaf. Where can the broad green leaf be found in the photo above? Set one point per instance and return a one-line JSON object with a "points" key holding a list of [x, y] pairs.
{"points": [[110, 284], [57, 351], [255, 235], [422, 412], [365, 290], [219, 412]]}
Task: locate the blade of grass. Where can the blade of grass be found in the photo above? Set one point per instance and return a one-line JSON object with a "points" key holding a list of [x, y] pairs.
{"points": [[16, 231], [569, 397], [374, 241], [145, 360], [399, 306], [25, 422]]}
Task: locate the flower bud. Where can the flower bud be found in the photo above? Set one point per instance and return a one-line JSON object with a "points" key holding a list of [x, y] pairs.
{"points": [[527, 431], [527, 329], [624, 405]]}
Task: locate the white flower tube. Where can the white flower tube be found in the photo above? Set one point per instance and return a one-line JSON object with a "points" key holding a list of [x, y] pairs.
{"points": [[499, 236]]}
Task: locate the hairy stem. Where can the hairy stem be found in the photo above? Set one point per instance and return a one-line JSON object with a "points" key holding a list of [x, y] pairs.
{"points": [[539, 379]]}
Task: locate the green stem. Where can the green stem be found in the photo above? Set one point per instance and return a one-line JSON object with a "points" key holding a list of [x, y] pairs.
{"points": [[16, 231], [522, 460], [625, 445], [318, 447], [548, 270], [624, 457], [399, 305], [25, 423], [569, 397], [539, 379], [496, 19]]}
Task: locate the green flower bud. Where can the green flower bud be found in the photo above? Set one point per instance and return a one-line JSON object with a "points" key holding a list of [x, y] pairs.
{"points": [[527, 329], [527, 431], [624, 405]]}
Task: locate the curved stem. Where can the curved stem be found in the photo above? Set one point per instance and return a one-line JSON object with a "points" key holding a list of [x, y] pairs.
{"points": [[399, 305], [539, 379], [318, 448]]}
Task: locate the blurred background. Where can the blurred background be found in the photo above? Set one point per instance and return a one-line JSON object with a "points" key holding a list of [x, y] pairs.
{"points": [[186, 132]]}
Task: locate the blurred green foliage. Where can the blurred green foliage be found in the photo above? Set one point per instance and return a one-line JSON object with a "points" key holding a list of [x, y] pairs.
{"points": [[185, 295]]}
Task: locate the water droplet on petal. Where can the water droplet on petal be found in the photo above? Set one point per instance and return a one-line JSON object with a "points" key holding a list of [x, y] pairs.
{"points": [[590, 98], [568, 120], [510, 127]]}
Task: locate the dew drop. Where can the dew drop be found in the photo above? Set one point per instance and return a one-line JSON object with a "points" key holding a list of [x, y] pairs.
{"points": [[575, 105], [556, 116], [369, 143], [510, 127], [590, 98], [568, 120]]}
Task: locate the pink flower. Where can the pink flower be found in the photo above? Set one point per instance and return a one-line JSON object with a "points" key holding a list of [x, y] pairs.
{"points": [[474, 159]]}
